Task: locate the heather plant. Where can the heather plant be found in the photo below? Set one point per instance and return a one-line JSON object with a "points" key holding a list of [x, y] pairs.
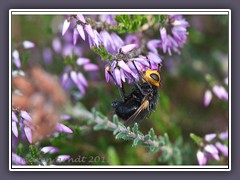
{"points": [[67, 71]]}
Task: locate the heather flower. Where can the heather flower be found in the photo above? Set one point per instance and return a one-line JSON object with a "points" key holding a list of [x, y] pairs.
{"points": [[47, 56], [210, 148], [81, 31], [127, 48], [16, 58], [63, 128], [18, 160], [28, 134], [49, 149], [223, 135], [62, 158], [28, 44], [25, 116], [207, 98], [220, 92], [222, 148], [15, 128], [14, 117], [66, 25], [173, 35]]}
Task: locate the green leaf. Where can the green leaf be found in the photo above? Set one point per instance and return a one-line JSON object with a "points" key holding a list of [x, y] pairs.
{"points": [[152, 134], [196, 139], [135, 142], [112, 156], [120, 135], [20, 149], [115, 119], [98, 127], [135, 128]]}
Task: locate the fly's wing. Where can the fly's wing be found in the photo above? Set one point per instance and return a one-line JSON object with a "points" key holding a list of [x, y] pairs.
{"points": [[140, 113]]}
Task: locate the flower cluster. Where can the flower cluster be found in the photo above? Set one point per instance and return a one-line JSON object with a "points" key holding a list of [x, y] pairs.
{"points": [[219, 91], [211, 146], [173, 35], [35, 102]]}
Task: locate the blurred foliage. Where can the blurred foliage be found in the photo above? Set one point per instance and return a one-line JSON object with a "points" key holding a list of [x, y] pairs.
{"points": [[180, 110]]}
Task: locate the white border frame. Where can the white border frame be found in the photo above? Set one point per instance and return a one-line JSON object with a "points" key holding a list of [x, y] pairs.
{"points": [[119, 168]]}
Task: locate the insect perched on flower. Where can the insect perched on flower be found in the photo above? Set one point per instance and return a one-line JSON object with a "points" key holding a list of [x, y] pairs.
{"points": [[141, 101]]}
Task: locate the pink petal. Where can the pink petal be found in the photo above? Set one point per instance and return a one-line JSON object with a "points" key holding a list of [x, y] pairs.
{"points": [[89, 30], [81, 18], [124, 66], [25, 116], [118, 76], [126, 49], [82, 61], [18, 160], [90, 67], [49, 149], [155, 58], [28, 44], [209, 137], [75, 36], [14, 117], [82, 79], [222, 148], [62, 158], [81, 31], [62, 128], [207, 98], [107, 76], [28, 134], [66, 25], [14, 128], [202, 159]]}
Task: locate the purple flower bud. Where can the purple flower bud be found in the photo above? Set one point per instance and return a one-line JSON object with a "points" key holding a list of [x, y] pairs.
{"points": [[82, 79], [97, 38], [49, 149], [14, 117], [18, 160], [163, 34], [155, 58], [222, 148], [16, 58], [66, 25], [223, 135], [212, 150], [62, 128], [118, 76], [124, 66], [28, 134], [90, 67], [210, 137], [81, 31], [62, 158], [207, 98], [127, 48], [28, 44], [57, 46], [75, 36], [14, 128], [202, 159], [81, 18], [89, 30]]}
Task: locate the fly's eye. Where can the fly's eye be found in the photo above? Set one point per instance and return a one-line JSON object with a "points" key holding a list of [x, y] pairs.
{"points": [[155, 77]]}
